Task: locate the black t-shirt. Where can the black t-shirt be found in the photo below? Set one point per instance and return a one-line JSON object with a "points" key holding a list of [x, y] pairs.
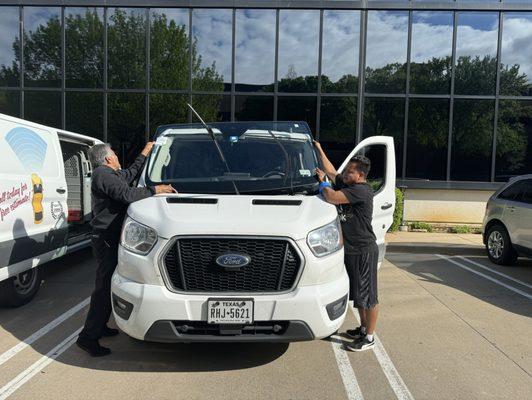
{"points": [[356, 216]]}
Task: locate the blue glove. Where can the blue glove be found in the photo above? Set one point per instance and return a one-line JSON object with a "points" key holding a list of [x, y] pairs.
{"points": [[323, 185]]}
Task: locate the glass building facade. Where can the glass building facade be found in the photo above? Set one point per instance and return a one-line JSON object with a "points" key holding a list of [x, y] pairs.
{"points": [[451, 81]]}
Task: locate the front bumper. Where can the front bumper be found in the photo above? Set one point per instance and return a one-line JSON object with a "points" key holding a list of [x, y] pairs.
{"points": [[156, 312]]}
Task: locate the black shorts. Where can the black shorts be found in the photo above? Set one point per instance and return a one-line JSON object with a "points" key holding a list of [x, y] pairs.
{"points": [[362, 271]]}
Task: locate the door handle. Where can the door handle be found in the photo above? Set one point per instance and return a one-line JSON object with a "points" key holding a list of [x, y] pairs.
{"points": [[60, 190], [385, 206], [511, 208]]}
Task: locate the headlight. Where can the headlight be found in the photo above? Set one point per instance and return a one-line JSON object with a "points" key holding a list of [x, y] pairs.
{"points": [[326, 240], [137, 238]]}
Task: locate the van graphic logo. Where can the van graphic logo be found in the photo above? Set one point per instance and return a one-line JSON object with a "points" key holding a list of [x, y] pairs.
{"points": [[233, 260]]}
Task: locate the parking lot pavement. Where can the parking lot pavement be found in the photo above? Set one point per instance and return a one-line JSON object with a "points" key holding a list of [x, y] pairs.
{"points": [[450, 328]]}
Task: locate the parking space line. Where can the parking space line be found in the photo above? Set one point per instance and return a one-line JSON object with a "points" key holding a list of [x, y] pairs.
{"points": [[349, 378], [394, 379], [496, 281], [43, 331], [495, 272], [38, 366]]}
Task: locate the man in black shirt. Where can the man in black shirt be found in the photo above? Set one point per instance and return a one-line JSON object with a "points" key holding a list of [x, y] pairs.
{"points": [[111, 194], [354, 198]]}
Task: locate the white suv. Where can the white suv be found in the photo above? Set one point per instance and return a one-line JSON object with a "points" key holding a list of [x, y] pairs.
{"points": [[248, 250], [508, 222]]}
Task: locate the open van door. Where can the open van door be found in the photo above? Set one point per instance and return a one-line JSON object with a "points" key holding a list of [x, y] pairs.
{"points": [[381, 152]]}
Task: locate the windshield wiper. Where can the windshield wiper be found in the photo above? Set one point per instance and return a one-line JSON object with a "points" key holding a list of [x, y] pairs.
{"points": [[220, 152], [288, 164]]}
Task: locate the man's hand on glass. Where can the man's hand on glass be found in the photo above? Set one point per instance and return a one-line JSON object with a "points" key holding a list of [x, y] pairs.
{"points": [[146, 151]]}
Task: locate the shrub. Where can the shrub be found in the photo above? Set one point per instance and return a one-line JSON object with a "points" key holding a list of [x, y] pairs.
{"points": [[461, 229], [422, 225], [398, 212]]}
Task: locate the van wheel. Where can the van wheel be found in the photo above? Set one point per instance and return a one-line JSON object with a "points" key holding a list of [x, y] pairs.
{"points": [[20, 289], [499, 246]]}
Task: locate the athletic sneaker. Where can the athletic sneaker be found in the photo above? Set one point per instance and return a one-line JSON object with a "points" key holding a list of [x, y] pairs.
{"points": [[355, 333], [360, 345]]}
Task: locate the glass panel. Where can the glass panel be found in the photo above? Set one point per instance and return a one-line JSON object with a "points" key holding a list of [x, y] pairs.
{"points": [[431, 53], [516, 47], [298, 50], [126, 129], [386, 117], [9, 47], [337, 133], [297, 109], [84, 113], [42, 46], [43, 108], [212, 34], [167, 109], [254, 108], [84, 47], [169, 48], [514, 139], [126, 42], [339, 64], [212, 108], [255, 50], [476, 52], [472, 140], [513, 192], [10, 103], [386, 51], [428, 131]]}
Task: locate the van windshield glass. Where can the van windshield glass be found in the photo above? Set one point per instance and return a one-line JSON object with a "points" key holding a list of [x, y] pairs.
{"points": [[186, 157]]}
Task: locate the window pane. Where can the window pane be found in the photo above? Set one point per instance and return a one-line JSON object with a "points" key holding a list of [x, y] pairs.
{"points": [[514, 139], [10, 103], [297, 109], [126, 37], [84, 47], [431, 54], [167, 109], [527, 194], [212, 34], [84, 113], [386, 117], [255, 50], [212, 108], [386, 51], [42, 46], [126, 128], [339, 64], [254, 108], [9, 45], [43, 108], [513, 192], [428, 131], [476, 52], [472, 140], [169, 48], [516, 47], [298, 50]]}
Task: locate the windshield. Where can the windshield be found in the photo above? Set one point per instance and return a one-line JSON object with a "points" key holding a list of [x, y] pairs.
{"points": [[260, 157]]}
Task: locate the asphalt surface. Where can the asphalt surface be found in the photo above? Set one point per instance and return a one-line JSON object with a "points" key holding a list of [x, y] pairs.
{"points": [[450, 328]]}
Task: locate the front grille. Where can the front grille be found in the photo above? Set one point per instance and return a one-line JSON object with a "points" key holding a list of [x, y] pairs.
{"points": [[190, 265]]}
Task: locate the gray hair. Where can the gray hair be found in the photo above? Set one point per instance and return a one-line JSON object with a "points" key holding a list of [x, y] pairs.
{"points": [[97, 154]]}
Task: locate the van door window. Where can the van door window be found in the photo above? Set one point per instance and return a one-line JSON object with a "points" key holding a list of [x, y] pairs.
{"points": [[513, 192], [527, 192], [377, 156]]}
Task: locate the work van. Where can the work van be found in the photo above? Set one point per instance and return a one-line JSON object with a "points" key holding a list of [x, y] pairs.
{"points": [[247, 250], [45, 203]]}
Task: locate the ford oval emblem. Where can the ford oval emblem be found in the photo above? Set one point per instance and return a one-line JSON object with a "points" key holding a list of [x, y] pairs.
{"points": [[233, 260]]}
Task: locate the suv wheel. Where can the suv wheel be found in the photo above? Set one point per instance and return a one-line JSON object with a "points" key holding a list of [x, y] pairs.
{"points": [[499, 246], [20, 289]]}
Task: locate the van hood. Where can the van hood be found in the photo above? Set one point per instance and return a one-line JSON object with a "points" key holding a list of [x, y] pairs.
{"points": [[289, 216]]}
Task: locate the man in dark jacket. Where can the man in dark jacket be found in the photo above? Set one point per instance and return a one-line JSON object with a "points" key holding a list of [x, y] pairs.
{"points": [[111, 193]]}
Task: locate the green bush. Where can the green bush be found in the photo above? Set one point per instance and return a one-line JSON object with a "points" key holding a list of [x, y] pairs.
{"points": [[398, 212], [461, 229], [422, 225]]}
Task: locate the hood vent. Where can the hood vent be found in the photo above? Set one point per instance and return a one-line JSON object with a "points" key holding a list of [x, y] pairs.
{"points": [[272, 202], [190, 200]]}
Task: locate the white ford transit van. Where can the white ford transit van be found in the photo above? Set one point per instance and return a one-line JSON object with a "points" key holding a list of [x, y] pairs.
{"points": [[45, 202], [247, 250]]}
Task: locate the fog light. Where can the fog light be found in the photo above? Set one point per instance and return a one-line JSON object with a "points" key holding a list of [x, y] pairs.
{"points": [[122, 308], [336, 309]]}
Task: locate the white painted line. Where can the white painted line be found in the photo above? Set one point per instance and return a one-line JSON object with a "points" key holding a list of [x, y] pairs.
{"points": [[352, 388], [43, 331], [489, 278], [38, 366], [394, 379], [496, 272]]}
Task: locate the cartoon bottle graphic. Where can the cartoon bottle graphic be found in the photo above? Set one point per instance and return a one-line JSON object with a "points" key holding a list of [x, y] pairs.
{"points": [[36, 201]]}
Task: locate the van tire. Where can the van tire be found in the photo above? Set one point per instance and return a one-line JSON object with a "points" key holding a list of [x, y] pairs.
{"points": [[506, 255], [21, 289]]}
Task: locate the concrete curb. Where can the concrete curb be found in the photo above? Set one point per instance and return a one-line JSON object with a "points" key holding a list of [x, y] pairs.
{"points": [[430, 248]]}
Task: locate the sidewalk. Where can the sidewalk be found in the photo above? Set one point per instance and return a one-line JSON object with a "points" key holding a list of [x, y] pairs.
{"points": [[444, 243]]}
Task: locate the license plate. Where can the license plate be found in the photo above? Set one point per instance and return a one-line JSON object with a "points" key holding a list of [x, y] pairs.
{"points": [[230, 311]]}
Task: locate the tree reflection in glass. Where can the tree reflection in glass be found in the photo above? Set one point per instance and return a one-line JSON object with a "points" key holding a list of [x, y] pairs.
{"points": [[9, 61]]}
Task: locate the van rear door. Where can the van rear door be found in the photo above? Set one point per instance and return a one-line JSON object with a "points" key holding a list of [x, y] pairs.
{"points": [[381, 152]]}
